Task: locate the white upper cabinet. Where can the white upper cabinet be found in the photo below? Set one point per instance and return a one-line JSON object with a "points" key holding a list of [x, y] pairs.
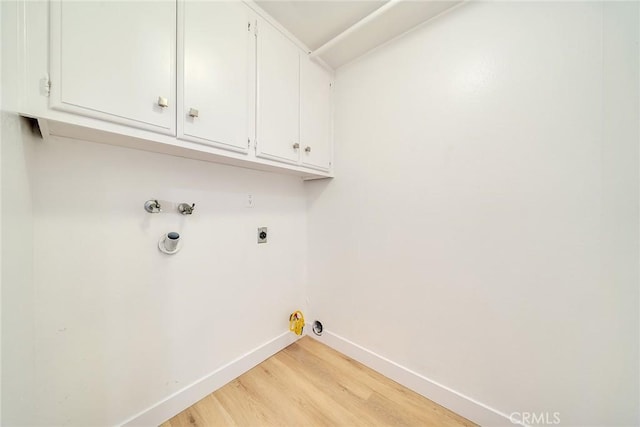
{"points": [[278, 133], [115, 61], [219, 81], [216, 73], [315, 115]]}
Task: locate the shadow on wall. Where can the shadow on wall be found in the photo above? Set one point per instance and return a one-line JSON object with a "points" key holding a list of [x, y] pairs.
{"points": [[315, 188]]}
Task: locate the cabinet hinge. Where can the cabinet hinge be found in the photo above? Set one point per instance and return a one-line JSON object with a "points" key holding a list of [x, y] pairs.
{"points": [[45, 86], [248, 142], [249, 26]]}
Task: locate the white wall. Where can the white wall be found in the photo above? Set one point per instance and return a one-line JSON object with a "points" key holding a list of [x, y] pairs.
{"points": [[17, 320], [119, 325], [482, 230]]}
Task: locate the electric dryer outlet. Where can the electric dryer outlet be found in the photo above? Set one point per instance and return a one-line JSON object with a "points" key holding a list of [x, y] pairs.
{"points": [[262, 235]]}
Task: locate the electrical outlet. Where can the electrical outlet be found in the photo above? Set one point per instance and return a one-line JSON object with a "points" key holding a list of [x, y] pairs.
{"points": [[249, 201], [262, 235]]}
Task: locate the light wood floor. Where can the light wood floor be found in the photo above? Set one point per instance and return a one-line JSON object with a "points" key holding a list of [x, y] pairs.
{"points": [[309, 384]]}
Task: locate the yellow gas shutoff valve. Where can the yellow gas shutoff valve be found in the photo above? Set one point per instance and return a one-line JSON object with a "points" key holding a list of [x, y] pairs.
{"points": [[296, 322]]}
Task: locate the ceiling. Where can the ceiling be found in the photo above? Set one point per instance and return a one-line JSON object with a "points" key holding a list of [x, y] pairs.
{"points": [[338, 31], [316, 22]]}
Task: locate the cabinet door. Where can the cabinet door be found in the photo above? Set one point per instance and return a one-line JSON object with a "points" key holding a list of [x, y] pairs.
{"points": [[315, 115], [278, 96], [217, 73], [115, 60]]}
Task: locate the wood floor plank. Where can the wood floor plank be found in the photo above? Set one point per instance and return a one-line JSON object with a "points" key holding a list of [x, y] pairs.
{"points": [[310, 384]]}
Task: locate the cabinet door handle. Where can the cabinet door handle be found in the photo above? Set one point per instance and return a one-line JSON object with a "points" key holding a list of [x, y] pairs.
{"points": [[296, 146], [307, 149], [163, 102], [193, 112]]}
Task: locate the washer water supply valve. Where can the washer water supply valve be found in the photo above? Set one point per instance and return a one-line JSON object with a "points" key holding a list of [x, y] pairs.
{"points": [[186, 209], [154, 206]]}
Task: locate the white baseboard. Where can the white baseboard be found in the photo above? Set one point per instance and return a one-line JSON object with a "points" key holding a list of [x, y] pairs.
{"points": [[187, 396], [432, 390]]}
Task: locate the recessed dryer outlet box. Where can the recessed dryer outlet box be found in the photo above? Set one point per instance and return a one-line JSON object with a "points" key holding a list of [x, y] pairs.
{"points": [[262, 235]]}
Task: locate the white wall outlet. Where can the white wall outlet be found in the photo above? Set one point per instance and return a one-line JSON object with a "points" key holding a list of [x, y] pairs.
{"points": [[250, 201]]}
